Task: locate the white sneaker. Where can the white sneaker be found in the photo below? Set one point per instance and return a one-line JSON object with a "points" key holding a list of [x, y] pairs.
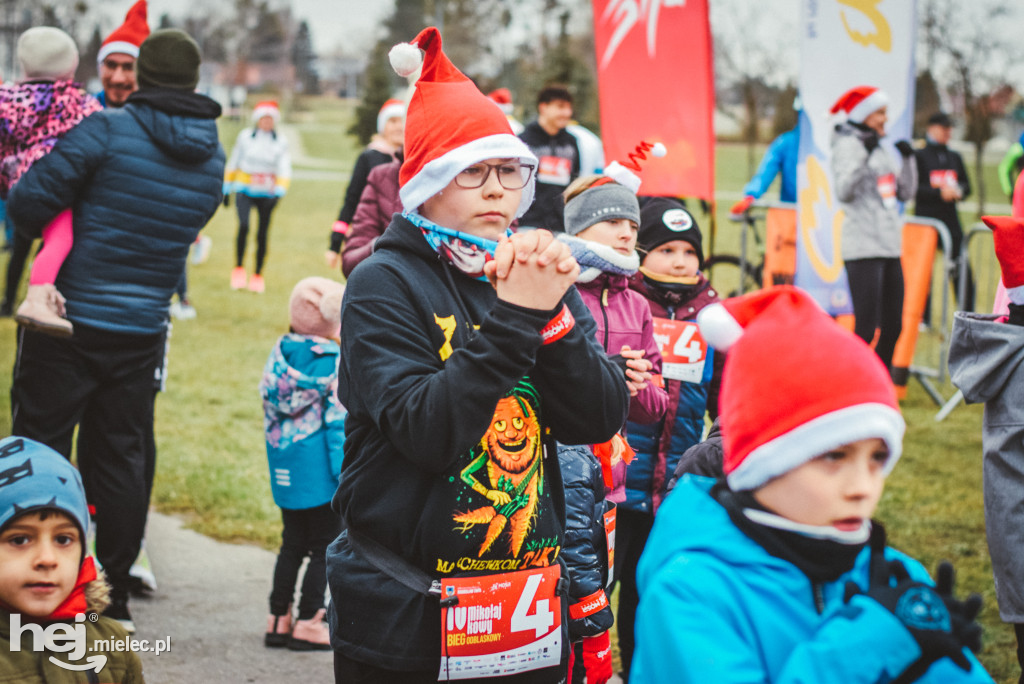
{"points": [[201, 249]]}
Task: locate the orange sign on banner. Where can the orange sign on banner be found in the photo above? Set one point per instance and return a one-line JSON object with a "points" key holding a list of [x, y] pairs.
{"points": [[500, 624], [668, 43]]}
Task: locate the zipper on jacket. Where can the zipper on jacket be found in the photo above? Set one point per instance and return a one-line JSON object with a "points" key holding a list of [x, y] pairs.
{"points": [[671, 313], [819, 597], [604, 314]]}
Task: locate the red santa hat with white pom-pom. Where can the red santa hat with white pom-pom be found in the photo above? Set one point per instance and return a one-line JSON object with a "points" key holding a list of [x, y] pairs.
{"points": [[1008, 236], [625, 173], [449, 124], [857, 103], [796, 385]]}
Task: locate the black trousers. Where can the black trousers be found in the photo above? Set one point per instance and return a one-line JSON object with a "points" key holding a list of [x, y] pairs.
{"points": [[264, 207], [876, 288], [631, 531], [306, 533], [103, 382]]}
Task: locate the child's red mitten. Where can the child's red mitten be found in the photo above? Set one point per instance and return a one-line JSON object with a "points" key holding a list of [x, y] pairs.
{"points": [[597, 658]]}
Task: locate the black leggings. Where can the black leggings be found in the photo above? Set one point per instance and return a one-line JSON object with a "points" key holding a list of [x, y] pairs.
{"points": [[264, 206], [876, 287], [306, 532], [631, 531]]}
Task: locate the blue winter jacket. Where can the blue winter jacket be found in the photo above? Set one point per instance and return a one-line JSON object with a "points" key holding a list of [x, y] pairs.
{"points": [[781, 157], [303, 420], [716, 607], [141, 182]]}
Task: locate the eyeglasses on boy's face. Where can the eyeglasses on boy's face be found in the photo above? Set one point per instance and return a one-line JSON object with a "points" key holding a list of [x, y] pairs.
{"points": [[511, 175]]}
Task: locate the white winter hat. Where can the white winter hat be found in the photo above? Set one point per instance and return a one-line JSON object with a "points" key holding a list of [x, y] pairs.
{"points": [[47, 52]]}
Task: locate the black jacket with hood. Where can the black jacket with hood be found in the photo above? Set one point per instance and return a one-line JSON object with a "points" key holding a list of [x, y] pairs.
{"points": [[434, 371]]}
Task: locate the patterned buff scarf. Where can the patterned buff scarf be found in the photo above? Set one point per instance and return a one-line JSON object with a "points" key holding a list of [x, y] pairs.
{"points": [[595, 258], [466, 252]]}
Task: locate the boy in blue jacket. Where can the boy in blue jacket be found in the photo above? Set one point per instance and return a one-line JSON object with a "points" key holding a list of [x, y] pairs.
{"points": [[305, 430], [787, 578]]}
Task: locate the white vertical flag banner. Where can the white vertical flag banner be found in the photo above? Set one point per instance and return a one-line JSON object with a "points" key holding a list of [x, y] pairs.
{"points": [[844, 44]]}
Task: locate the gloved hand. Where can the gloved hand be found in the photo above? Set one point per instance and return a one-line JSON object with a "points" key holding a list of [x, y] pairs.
{"points": [[941, 625], [905, 148], [741, 206], [227, 199], [597, 658], [871, 142]]}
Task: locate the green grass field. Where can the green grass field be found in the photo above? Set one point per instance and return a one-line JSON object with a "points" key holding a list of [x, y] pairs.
{"points": [[212, 467]]}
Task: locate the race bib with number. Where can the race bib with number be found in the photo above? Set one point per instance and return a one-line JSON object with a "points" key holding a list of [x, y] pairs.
{"points": [[262, 182], [609, 535], [887, 189], [943, 178], [555, 170], [500, 624], [683, 350]]}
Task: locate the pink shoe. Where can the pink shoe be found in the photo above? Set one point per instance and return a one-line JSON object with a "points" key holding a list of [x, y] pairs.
{"points": [[256, 283], [311, 634], [238, 278], [279, 629]]}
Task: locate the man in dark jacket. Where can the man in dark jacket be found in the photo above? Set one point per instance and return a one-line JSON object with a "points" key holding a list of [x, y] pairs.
{"points": [[558, 154], [941, 183], [142, 180]]}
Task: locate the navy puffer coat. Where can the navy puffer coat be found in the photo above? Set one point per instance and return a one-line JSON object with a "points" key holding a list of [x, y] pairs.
{"points": [[142, 181]]}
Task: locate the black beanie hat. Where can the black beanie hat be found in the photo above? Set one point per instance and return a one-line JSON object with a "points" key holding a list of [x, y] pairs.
{"points": [[663, 219], [169, 58]]}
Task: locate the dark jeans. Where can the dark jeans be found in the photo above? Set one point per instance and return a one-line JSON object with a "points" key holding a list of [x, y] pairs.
{"points": [[104, 383], [348, 671], [264, 206], [306, 532], [876, 288], [631, 531]]}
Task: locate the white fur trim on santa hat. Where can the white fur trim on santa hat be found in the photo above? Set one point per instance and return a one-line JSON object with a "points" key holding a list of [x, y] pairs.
{"points": [[869, 104], [718, 328], [265, 109], [390, 110], [1016, 294], [438, 173], [121, 47], [817, 437], [623, 176]]}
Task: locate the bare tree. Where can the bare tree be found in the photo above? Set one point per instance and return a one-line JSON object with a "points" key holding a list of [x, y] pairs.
{"points": [[972, 57]]}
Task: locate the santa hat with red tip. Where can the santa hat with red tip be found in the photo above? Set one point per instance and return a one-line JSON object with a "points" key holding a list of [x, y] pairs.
{"points": [[266, 108], [127, 37], [796, 385], [856, 103], [389, 110], [503, 98], [626, 172], [449, 124], [1008, 236]]}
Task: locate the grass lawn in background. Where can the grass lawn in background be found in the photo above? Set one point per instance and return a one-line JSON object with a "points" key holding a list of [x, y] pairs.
{"points": [[212, 467]]}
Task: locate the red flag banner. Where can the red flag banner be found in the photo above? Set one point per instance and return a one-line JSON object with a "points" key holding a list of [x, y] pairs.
{"points": [[655, 83]]}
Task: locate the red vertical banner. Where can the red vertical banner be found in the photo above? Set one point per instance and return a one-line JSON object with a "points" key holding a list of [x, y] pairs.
{"points": [[656, 83]]}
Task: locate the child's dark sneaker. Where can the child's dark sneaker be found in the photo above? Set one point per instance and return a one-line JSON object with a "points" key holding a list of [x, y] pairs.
{"points": [[279, 630], [118, 610], [311, 634]]}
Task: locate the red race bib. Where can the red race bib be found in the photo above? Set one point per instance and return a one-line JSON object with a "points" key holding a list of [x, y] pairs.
{"points": [[262, 182], [555, 170], [943, 178], [683, 350], [887, 189], [500, 624]]}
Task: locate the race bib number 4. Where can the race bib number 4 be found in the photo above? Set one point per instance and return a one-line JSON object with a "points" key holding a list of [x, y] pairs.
{"points": [[683, 350], [500, 624]]}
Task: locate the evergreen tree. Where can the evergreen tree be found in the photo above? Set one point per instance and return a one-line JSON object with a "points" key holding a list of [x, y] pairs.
{"points": [[304, 60], [379, 81]]}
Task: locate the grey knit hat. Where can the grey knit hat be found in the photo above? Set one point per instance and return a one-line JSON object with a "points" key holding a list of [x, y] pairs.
{"points": [[169, 58], [46, 52], [600, 203]]}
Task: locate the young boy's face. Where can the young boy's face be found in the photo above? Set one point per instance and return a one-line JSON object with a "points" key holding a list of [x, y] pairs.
{"points": [[40, 555], [676, 258], [839, 489]]}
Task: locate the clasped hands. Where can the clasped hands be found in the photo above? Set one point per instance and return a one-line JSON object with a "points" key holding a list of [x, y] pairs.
{"points": [[532, 269]]}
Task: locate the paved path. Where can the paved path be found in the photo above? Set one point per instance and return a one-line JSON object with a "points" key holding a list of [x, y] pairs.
{"points": [[212, 603]]}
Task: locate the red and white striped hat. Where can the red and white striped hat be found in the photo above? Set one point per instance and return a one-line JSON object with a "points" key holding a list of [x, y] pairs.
{"points": [[857, 103], [796, 385], [127, 37], [449, 124]]}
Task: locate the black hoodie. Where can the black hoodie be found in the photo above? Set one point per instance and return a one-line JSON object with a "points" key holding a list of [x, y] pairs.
{"points": [[430, 359]]}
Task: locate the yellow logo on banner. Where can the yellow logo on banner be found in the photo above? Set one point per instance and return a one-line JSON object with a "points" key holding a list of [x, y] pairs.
{"points": [[817, 184], [882, 37]]}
